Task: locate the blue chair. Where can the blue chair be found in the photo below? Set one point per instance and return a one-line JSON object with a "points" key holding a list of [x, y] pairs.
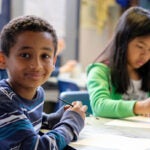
{"points": [[71, 96], [3, 74], [67, 86]]}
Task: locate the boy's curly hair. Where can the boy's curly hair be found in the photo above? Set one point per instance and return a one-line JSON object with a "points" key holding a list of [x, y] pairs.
{"points": [[20, 24]]}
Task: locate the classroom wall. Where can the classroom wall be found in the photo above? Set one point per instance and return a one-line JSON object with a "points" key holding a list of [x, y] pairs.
{"points": [[83, 43], [97, 23], [60, 13]]}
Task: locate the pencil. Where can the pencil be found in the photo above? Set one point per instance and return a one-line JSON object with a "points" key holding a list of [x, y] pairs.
{"points": [[71, 105], [65, 102]]}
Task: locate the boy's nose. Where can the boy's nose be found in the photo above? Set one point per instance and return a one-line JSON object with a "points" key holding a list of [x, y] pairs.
{"points": [[35, 63]]}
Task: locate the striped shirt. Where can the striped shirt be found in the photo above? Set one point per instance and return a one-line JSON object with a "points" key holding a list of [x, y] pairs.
{"points": [[21, 121]]}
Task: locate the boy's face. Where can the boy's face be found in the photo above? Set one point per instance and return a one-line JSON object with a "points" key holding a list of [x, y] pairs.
{"points": [[31, 60]]}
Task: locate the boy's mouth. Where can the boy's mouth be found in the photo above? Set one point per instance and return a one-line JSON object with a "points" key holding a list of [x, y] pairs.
{"points": [[35, 76]]}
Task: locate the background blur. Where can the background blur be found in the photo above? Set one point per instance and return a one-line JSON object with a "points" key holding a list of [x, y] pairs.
{"points": [[85, 25]]}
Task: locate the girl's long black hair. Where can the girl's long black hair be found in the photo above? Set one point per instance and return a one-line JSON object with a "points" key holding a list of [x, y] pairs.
{"points": [[134, 22]]}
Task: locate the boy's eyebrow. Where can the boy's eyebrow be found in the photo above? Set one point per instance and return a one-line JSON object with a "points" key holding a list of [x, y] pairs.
{"points": [[47, 48], [42, 48]]}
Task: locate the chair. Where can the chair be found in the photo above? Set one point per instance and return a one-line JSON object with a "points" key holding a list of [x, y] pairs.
{"points": [[3, 74], [67, 86], [71, 96]]}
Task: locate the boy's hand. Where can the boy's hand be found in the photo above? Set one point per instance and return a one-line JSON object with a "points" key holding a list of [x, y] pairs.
{"points": [[78, 107]]}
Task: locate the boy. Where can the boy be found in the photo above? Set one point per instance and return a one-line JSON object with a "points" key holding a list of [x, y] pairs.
{"points": [[29, 45]]}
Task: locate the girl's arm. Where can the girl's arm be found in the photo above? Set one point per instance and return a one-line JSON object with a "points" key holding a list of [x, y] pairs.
{"points": [[104, 102]]}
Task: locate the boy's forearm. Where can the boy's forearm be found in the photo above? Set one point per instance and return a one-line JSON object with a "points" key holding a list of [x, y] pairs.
{"points": [[74, 121]]}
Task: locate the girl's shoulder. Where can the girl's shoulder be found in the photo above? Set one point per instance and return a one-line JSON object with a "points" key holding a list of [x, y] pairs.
{"points": [[97, 66]]}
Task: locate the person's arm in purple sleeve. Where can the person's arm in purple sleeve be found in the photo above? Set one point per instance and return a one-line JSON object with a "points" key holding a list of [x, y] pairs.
{"points": [[49, 120]]}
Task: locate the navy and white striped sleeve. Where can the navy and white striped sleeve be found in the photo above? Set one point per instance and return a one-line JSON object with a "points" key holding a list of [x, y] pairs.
{"points": [[17, 131]]}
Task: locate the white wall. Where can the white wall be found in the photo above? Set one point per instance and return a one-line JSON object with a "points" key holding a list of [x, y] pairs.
{"points": [[51, 10], [92, 40], [62, 14]]}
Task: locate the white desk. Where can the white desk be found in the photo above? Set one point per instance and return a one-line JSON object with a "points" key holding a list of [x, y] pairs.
{"points": [[112, 134]]}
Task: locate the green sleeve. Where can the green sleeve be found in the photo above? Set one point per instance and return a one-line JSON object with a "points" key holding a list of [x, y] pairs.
{"points": [[103, 101]]}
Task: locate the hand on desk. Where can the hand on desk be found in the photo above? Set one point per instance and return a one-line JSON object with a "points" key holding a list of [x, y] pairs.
{"points": [[142, 108]]}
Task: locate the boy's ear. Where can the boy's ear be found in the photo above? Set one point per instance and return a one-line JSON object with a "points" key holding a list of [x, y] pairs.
{"points": [[2, 61]]}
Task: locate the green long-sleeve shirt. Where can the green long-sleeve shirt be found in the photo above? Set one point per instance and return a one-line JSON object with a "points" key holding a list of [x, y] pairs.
{"points": [[105, 102]]}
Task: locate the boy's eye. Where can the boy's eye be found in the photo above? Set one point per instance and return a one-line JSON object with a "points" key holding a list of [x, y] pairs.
{"points": [[46, 56], [25, 55]]}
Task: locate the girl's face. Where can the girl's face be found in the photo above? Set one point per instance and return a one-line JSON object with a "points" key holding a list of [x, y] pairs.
{"points": [[138, 52], [30, 62]]}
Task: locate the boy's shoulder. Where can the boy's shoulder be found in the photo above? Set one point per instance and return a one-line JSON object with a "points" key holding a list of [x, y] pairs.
{"points": [[7, 94], [4, 86], [5, 90], [6, 98], [3, 83]]}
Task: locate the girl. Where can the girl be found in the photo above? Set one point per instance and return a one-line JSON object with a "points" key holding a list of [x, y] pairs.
{"points": [[119, 78]]}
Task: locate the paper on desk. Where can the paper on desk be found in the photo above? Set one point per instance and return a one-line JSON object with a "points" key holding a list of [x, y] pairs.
{"points": [[135, 122], [113, 142]]}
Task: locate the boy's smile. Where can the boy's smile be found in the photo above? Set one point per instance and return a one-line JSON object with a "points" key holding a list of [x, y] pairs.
{"points": [[33, 61]]}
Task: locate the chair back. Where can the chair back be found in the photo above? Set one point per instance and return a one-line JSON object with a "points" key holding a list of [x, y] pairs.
{"points": [[67, 86], [71, 96], [3, 74]]}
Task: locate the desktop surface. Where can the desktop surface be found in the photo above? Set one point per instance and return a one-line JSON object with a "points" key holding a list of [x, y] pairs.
{"points": [[114, 134]]}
